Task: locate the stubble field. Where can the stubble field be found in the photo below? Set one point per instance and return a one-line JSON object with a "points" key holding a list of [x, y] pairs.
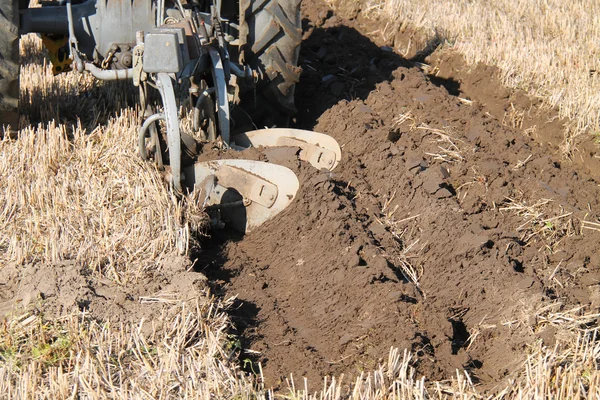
{"points": [[452, 253]]}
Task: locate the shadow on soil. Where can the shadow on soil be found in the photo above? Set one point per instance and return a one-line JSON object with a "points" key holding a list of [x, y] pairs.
{"points": [[210, 261], [339, 63]]}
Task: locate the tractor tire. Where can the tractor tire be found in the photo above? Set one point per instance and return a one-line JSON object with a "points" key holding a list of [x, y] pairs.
{"points": [[9, 66], [270, 36]]}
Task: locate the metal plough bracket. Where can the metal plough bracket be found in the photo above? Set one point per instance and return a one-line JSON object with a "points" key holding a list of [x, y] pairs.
{"points": [[164, 83], [221, 95]]}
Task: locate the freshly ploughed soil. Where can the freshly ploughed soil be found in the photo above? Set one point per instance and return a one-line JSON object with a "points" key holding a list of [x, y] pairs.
{"points": [[451, 221], [447, 226]]}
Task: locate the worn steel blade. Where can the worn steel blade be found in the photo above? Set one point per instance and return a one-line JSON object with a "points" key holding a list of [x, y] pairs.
{"points": [[243, 194], [320, 150]]}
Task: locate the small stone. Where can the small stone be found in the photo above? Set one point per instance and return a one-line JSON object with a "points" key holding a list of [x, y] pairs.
{"points": [[322, 53], [377, 229], [356, 248], [413, 162], [582, 295], [324, 177], [526, 283], [590, 279], [595, 296], [474, 134], [328, 80], [348, 337], [387, 49], [444, 172], [431, 185], [443, 193], [385, 146], [482, 241], [369, 253], [355, 260], [548, 336], [337, 88], [422, 98]]}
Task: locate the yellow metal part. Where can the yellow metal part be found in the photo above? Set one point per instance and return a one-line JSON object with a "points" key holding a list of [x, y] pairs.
{"points": [[58, 51]]}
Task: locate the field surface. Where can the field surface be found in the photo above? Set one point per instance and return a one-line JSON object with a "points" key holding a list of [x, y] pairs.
{"points": [[454, 250], [448, 229]]}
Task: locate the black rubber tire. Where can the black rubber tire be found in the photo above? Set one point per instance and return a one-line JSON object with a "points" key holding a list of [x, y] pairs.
{"points": [[9, 65], [270, 34]]}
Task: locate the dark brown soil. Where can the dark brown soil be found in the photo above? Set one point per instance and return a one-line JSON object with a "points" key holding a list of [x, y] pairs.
{"points": [[323, 288], [433, 169]]}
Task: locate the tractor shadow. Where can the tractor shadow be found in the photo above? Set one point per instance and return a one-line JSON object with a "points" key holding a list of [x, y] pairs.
{"points": [[341, 64], [89, 105]]}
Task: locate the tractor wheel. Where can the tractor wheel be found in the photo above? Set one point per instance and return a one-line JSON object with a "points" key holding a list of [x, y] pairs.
{"points": [[9, 66], [270, 34]]}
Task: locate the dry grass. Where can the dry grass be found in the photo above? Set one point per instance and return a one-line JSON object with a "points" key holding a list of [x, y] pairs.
{"points": [[74, 189], [547, 48], [545, 222], [447, 145], [404, 231], [183, 355], [395, 379], [78, 191], [569, 370]]}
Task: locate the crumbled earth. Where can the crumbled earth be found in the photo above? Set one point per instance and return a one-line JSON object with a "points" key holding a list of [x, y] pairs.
{"points": [[58, 289], [451, 220], [421, 238]]}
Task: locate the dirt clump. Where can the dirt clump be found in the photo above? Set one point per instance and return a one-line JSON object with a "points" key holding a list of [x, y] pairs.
{"points": [[60, 289], [440, 231]]}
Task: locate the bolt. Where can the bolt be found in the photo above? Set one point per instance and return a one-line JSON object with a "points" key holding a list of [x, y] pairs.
{"points": [[127, 60]]}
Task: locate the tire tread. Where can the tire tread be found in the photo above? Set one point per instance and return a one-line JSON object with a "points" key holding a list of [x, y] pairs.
{"points": [[274, 48], [9, 64]]}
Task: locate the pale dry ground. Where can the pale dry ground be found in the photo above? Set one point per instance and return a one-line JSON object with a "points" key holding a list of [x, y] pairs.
{"points": [[78, 191], [549, 48]]}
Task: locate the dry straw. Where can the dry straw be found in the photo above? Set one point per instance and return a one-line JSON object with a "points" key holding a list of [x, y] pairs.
{"points": [[77, 190], [76, 357], [547, 48]]}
